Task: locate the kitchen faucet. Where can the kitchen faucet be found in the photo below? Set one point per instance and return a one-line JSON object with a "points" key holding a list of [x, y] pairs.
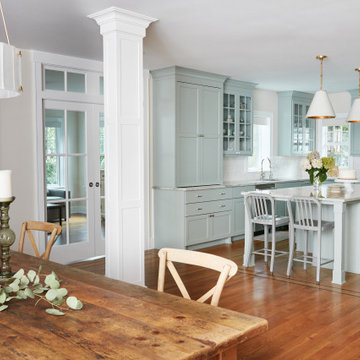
{"points": [[262, 174]]}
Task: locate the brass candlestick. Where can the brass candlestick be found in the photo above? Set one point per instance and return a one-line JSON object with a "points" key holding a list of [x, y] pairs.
{"points": [[7, 237]]}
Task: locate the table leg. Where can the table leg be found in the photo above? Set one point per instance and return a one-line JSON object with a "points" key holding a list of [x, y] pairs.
{"points": [[60, 215], [339, 234], [248, 242]]}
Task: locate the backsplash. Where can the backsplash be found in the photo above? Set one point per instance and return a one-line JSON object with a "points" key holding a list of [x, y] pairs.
{"points": [[283, 167]]}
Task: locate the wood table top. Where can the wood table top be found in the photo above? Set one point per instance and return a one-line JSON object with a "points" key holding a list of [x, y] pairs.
{"points": [[119, 321]]}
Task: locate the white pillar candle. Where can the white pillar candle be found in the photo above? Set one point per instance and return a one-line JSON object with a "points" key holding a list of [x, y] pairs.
{"points": [[5, 184]]}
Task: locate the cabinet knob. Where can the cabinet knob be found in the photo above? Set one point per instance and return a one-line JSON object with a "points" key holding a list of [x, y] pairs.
{"points": [[91, 184], [199, 209], [199, 196], [201, 135], [97, 184], [222, 205], [211, 215], [223, 193]]}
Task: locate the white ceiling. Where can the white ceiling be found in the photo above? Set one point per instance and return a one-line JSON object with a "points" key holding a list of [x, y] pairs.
{"points": [[269, 42]]}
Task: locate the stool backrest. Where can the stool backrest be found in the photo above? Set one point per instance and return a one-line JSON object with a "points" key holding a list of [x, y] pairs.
{"points": [[259, 205], [308, 213]]}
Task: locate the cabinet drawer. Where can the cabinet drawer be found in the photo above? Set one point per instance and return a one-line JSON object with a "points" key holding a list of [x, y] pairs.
{"points": [[194, 196], [208, 207], [236, 191]]}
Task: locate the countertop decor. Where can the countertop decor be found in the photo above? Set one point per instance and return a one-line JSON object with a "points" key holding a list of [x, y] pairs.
{"points": [[319, 168]]}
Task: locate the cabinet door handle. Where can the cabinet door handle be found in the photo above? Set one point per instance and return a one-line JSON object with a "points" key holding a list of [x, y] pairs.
{"points": [[201, 135], [223, 193], [211, 215], [199, 196], [222, 205], [199, 209]]}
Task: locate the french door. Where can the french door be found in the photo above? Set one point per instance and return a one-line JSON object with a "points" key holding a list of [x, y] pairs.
{"points": [[74, 176]]}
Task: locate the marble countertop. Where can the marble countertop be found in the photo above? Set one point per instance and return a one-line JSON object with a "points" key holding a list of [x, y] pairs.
{"points": [[232, 183], [325, 195]]}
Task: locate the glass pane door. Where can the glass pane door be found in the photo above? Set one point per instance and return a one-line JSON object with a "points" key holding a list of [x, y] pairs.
{"points": [[71, 186]]}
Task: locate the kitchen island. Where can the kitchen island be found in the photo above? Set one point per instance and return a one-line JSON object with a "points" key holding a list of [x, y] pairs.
{"points": [[343, 243]]}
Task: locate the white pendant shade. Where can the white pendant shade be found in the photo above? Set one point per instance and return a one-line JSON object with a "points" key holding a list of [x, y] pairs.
{"points": [[10, 71], [354, 114], [321, 107]]}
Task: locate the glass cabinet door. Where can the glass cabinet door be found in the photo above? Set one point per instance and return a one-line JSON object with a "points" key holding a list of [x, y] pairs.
{"points": [[229, 123]]}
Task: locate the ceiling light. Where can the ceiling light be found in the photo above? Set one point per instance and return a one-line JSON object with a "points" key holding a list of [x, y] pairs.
{"points": [[321, 107], [354, 114], [10, 66]]}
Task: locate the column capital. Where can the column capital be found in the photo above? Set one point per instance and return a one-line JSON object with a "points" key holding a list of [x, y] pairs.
{"points": [[126, 21]]}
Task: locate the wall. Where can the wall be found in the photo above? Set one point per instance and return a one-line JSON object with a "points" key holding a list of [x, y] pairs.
{"points": [[17, 147]]}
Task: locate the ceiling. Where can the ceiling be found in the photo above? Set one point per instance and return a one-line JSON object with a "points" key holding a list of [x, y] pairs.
{"points": [[272, 43]]}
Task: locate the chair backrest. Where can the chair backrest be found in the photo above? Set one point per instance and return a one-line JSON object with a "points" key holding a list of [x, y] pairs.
{"points": [[259, 205], [308, 213], [226, 267], [28, 226]]}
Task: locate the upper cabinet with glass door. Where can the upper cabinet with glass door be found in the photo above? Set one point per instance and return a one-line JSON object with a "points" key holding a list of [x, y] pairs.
{"points": [[237, 117], [296, 133]]}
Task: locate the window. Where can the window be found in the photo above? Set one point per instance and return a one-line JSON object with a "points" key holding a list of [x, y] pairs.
{"points": [[261, 142], [336, 143]]}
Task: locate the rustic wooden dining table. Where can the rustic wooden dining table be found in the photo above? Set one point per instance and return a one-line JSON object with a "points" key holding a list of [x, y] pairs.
{"points": [[119, 321]]}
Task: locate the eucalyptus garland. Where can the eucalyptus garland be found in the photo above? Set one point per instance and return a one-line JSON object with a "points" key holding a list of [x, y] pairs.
{"points": [[22, 286]]}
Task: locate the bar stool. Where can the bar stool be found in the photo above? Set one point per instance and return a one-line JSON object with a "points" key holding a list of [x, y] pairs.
{"points": [[308, 218], [260, 209]]}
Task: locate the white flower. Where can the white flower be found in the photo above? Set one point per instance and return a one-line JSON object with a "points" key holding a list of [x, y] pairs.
{"points": [[305, 164], [317, 163]]}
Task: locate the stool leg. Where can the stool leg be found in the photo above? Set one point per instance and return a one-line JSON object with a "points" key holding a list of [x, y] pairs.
{"points": [[306, 237], [249, 246], [266, 235], [273, 244], [318, 257], [291, 250]]}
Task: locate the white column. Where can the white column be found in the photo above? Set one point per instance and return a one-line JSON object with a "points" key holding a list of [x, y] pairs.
{"points": [[123, 32], [339, 235]]}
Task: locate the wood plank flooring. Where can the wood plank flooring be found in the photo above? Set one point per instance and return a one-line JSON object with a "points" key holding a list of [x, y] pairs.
{"points": [[306, 321]]}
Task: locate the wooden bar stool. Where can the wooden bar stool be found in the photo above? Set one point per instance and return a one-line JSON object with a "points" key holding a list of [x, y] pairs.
{"points": [[260, 209], [308, 218]]}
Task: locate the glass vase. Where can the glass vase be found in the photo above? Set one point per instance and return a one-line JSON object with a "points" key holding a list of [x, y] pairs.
{"points": [[317, 184]]}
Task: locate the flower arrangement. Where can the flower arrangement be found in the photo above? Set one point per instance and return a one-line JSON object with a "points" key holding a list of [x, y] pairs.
{"points": [[318, 167]]}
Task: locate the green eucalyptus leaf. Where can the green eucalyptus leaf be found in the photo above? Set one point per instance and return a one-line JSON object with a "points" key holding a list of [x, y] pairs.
{"points": [[10, 298], [36, 280], [73, 303], [54, 312], [58, 301], [40, 269], [3, 296], [19, 274], [51, 294], [38, 290], [3, 307], [8, 289], [28, 292], [24, 281], [15, 285], [62, 292], [31, 275], [21, 295], [54, 284]]}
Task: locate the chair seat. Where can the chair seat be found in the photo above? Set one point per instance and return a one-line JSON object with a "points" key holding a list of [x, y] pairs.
{"points": [[267, 220], [325, 225]]}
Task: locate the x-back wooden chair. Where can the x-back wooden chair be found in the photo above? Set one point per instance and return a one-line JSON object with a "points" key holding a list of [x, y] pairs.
{"points": [[28, 226], [226, 267]]}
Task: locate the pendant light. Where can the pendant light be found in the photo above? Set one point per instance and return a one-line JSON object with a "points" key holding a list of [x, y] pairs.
{"points": [[321, 107], [10, 66], [354, 114]]}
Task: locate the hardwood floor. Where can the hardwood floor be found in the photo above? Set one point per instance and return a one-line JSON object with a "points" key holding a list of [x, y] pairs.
{"points": [[306, 321]]}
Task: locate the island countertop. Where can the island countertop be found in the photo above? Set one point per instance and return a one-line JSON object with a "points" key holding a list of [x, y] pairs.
{"points": [[325, 195]]}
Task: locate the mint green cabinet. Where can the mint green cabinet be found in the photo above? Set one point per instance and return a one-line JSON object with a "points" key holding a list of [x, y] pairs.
{"points": [[238, 117], [354, 129], [296, 134], [238, 211], [187, 127]]}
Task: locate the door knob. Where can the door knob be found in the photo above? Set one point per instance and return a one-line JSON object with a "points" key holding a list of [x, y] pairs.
{"points": [[91, 184]]}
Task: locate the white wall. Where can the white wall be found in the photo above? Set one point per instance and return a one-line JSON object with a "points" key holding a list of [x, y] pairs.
{"points": [[17, 147]]}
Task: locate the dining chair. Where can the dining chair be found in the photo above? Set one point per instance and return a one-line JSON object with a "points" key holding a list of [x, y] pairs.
{"points": [[29, 226], [308, 218], [260, 209], [226, 267]]}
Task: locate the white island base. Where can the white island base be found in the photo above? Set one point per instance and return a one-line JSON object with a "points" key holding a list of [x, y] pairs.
{"points": [[343, 243]]}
